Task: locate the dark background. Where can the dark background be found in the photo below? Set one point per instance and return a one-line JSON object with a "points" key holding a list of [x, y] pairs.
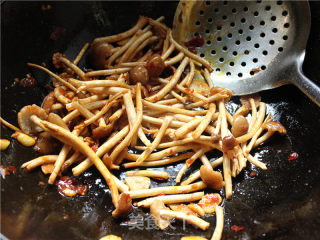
{"points": [[280, 203]]}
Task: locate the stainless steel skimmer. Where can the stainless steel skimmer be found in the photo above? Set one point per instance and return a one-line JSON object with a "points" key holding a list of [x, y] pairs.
{"points": [[252, 45]]}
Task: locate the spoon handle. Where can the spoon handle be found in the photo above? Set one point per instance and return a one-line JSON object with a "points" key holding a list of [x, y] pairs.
{"points": [[307, 87]]}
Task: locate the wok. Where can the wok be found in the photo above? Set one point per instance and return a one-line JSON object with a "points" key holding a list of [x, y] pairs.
{"points": [[280, 203]]}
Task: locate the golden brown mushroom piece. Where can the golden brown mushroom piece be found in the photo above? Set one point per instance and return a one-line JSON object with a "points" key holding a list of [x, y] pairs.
{"points": [[240, 126], [228, 143], [24, 121], [56, 119], [99, 53], [46, 143], [155, 209], [139, 74], [211, 178], [155, 65], [245, 100], [124, 206], [275, 126]]}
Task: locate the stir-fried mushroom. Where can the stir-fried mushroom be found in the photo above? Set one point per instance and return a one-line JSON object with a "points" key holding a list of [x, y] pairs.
{"points": [[48, 101], [137, 182], [275, 126], [139, 74], [24, 121], [211, 178], [199, 86], [155, 65], [45, 143], [155, 208], [182, 208], [240, 126], [99, 53], [47, 168], [56, 119], [124, 206], [209, 202], [228, 143]]}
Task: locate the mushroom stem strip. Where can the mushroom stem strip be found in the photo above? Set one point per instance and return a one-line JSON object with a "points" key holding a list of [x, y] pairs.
{"points": [[67, 84], [58, 163], [196, 175], [132, 116], [217, 234], [175, 59], [226, 160], [163, 153], [167, 190], [98, 83], [74, 141], [174, 80], [9, 125], [134, 46], [208, 78], [204, 122], [74, 67], [162, 162], [196, 221], [105, 109], [168, 52], [190, 54], [135, 127], [106, 72], [32, 164], [105, 147], [188, 79], [149, 173], [80, 54], [160, 107], [118, 37], [250, 134], [156, 141], [172, 199], [189, 162], [138, 43]]}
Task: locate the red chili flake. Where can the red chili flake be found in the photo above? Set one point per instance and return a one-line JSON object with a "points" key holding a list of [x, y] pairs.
{"points": [[189, 161], [236, 228], [70, 186], [94, 148], [293, 156], [65, 217], [253, 174], [12, 169], [28, 81], [120, 141], [162, 194], [190, 90], [149, 88], [4, 172], [219, 24], [195, 42], [171, 152], [57, 33]]}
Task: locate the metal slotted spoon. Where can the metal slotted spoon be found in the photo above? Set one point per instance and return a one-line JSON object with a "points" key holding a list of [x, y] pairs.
{"points": [[252, 45]]}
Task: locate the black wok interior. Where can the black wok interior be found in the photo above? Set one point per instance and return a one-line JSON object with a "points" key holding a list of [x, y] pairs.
{"points": [[280, 203]]}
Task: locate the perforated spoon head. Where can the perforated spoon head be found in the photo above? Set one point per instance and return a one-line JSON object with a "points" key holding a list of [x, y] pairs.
{"points": [[251, 45]]}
